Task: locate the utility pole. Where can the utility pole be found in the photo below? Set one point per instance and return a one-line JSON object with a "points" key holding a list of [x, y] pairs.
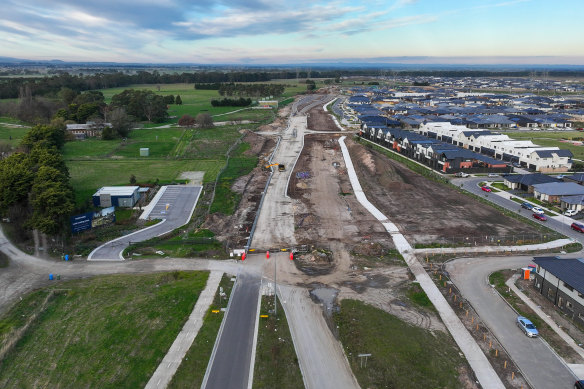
{"points": [[275, 284]]}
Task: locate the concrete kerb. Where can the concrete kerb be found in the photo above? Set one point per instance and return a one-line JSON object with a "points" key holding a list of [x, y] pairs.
{"points": [[115, 240], [212, 358], [333, 116], [482, 368], [558, 243], [148, 209]]}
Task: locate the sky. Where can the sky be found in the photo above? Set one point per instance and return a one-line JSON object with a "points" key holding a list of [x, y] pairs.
{"points": [[295, 31]]}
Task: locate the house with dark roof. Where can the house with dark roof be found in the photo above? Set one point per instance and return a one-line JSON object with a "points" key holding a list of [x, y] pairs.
{"points": [[561, 280], [525, 182]]}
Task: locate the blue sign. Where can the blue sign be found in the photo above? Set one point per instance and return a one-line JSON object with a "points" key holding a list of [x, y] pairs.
{"points": [[81, 222]]}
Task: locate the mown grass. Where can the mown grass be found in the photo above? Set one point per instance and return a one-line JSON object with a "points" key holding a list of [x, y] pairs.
{"points": [[103, 332], [88, 176], [11, 135], [192, 369], [276, 363], [402, 355]]}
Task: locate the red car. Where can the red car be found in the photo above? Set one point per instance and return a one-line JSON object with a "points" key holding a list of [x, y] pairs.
{"points": [[539, 216], [486, 188], [577, 227]]}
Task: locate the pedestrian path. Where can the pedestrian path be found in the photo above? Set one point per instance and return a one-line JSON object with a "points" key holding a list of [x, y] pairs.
{"points": [[554, 244], [173, 358], [483, 370]]}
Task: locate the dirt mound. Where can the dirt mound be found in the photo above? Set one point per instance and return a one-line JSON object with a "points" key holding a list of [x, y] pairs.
{"points": [[320, 120]]}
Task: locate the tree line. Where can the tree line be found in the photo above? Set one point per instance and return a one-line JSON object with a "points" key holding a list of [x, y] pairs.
{"points": [[225, 102], [35, 192], [255, 90]]}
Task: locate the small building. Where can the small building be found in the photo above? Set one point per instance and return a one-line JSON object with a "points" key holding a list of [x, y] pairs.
{"points": [[117, 196], [561, 280], [90, 129], [553, 191]]}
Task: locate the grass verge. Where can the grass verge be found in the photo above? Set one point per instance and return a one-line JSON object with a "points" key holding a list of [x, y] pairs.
{"points": [[4, 260], [103, 332], [276, 364], [191, 371], [402, 355]]}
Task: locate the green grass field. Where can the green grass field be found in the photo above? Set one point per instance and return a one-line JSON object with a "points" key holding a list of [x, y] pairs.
{"points": [[88, 176], [402, 355], [10, 134], [549, 138], [192, 369], [102, 332], [276, 363]]}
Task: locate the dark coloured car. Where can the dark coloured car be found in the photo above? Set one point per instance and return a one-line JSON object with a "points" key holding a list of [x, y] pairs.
{"points": [[577, 227], [526, 206], [579, 384], [540, 216]]}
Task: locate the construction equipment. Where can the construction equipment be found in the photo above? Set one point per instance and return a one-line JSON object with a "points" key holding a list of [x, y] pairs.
{"points": [[281, 167]]}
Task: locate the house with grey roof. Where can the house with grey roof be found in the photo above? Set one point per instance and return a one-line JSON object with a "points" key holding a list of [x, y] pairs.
{"points": [[552, 192], [526, 182], [561, 281]]}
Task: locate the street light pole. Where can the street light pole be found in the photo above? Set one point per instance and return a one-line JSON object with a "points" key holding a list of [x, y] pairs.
{"points": [[275, 285]]}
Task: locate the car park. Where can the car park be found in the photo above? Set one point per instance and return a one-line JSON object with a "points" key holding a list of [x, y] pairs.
{"points": [[570, 212], [526, 205], [538, 210], [527, 327], [577, 227], [540, 216], [486, 188]]}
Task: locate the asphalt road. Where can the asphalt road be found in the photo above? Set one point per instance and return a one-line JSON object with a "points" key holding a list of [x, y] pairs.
{"points": [[539, 364], [175, 207], [471, 185], [231, 360]]}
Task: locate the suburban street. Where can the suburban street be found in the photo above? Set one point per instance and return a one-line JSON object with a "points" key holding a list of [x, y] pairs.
{"points": [[539, 364], [174, 207]]}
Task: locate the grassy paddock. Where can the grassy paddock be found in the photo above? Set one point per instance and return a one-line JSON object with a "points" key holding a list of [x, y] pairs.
{"points": [[103, 332], [88, 176], [191, 371], [276, 364], [403, 356]]}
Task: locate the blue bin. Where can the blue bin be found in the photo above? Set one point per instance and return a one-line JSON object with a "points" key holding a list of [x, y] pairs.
{"points": [[51, 276]]}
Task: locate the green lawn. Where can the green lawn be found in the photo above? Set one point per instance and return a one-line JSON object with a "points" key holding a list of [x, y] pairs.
{"points": [[88, 176], [102, 332], [192, 369], [402, 355], [552, 138], [9, 134], [276, 363]]}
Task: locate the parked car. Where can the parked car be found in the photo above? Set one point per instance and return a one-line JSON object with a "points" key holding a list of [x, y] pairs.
{"points": [[570, 212], [577, 227], [540, 216], [560, 176], [493, 175], [526, 205], [538, 210], [486, 188], [461, 174], [579, 384], [527, 326]]}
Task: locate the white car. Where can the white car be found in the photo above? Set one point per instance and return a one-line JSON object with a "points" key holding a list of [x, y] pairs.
{"points": [[570, 212], [493, 175], [538, 210]]}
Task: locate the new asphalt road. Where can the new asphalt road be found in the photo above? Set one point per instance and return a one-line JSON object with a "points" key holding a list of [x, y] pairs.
{"points": [[175, 207], [539, 364]]}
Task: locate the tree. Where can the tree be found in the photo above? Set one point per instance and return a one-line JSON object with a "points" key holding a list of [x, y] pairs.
{"points": [[52, 201], [186, 121], [51, 136], [121, 122], [132, 179], [169, 99], [67, 95], [178, 100], [86, 111], [108, 133], [204, 120], [16, 177]]}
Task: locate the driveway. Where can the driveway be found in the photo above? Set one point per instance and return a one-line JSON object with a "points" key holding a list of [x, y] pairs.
{"points": [[175, 207], [540, 365]]}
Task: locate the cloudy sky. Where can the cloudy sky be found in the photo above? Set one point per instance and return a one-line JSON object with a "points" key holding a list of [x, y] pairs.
{"points": [[284, 31]]}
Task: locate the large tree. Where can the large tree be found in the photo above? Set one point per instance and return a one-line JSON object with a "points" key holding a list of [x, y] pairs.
{"points": [[48, 135], [121, 122]]}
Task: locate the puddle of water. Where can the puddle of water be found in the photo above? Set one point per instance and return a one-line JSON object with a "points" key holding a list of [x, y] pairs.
{"points": [[325, 296]]}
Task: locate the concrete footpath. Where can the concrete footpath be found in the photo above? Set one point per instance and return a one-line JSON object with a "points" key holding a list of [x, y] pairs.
{"points": [[173, 358], [483, 370], [554, 244]]}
